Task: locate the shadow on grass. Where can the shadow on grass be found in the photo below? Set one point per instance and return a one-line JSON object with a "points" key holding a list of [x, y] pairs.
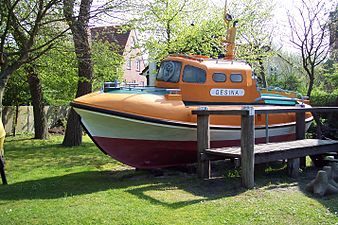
{"points": [[173, 190], [139, 184], [57, 187], [177, 194], [330, 201], [282, 181]]}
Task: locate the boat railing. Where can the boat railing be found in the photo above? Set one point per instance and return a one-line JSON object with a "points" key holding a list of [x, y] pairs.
{"points": [[109, 86], [275, 98], [173, 91], [200, 59]]}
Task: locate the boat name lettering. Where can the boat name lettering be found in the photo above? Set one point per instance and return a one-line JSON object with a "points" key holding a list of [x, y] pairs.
{"points": [[226, 92]]}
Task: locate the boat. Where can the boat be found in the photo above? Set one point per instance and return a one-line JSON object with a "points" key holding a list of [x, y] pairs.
{"points": [[153, 127]]}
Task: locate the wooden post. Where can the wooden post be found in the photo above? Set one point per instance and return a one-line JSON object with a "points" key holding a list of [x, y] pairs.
{"points": [[293, 167], [300, 133], [203, 142], [300, 125], [247, 147]]}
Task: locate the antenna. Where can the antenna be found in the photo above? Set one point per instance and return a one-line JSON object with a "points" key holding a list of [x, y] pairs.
{"points": [[229, 40]]}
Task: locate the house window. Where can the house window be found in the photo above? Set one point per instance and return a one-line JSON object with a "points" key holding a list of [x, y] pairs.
{"points": [[138, 65], [128, 64]]}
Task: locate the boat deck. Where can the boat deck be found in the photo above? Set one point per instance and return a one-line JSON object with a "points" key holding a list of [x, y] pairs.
{"points": [[278, 151]]}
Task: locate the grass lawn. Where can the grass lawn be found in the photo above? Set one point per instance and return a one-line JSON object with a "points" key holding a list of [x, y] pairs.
{"points": [[50, 184]]}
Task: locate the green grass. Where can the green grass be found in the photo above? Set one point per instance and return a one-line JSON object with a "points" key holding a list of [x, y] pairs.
{"points": [[50, 184]]}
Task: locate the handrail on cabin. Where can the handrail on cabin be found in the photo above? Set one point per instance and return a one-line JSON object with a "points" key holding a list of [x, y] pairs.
{"points": [[275, 98], [187, 56]]}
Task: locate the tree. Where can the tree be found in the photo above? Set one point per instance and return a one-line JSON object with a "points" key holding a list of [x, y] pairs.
{"points": [[255, 32], [164, 22], [284, 71], [107, 63], [58, 73], [310, 36], [16, 94], [79, 26], [20, 24], [35, 87], [202, 38], [24, 38]]}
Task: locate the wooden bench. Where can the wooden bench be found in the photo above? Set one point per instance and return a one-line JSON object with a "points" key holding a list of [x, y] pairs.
{"points": [[271, 152], [251, 154], [282, 150]]}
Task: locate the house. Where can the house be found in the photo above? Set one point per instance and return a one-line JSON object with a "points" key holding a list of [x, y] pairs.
{"points": [[127, 42]]}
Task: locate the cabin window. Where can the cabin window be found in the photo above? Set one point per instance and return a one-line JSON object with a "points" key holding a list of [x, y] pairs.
{"points": [[236, 78], [219, 77], [193, 74], [169, 71]]}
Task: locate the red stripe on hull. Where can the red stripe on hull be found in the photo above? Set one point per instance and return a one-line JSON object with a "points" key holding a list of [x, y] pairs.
{"points": [[157, 154]]}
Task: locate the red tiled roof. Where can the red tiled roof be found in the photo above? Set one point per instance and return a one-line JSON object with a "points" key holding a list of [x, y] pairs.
{"points": [[111, 34]]}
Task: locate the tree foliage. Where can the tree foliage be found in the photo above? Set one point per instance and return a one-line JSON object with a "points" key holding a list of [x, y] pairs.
{"points": [[17, 90], [255, 32], [21, 23], [282, 71], [310, 36], [107, 63], [58, 73], [164, 22]]}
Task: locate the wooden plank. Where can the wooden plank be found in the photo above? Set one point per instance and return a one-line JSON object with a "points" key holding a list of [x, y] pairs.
{"points": [[203, 142], [264, 110], [284, 150], [294, 153], [218, 112], [247, 148]]}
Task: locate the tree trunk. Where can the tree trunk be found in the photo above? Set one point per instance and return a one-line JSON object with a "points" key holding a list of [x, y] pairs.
{"points": [[309, 90], [262, 72], [73, 134], [15, 119], [2, 90], [40, 120], [3, 83]]}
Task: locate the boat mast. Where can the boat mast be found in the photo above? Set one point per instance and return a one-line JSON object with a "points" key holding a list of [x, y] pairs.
{"points": [[229, 41]]}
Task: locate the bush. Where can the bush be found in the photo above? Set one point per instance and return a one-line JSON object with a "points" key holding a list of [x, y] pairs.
{"points": [[322, 98]]}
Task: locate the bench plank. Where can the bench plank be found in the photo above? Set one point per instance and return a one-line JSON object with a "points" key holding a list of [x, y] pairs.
{"points": [[282, 150]]}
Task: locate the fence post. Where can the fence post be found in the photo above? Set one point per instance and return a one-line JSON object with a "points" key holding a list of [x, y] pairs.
{"points": [[300, 133], [247, 147], [203, 142]]}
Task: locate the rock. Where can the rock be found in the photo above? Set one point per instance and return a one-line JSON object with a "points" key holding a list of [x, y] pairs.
{"points": [[334, 167], [329, 173], [321, 185]]}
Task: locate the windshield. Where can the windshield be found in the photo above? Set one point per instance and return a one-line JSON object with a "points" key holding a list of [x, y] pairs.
{"points": [[169, 71]]}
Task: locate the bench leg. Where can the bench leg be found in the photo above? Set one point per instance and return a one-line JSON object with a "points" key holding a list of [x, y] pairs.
{"points": [[303, 162], [204, 167], [2, 170], [293, 167]]}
